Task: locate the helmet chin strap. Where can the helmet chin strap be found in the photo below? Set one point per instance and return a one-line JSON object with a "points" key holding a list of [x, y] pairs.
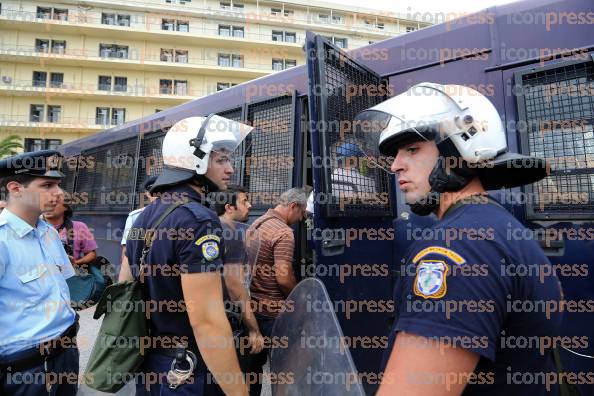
{"points": [[440, 181]]}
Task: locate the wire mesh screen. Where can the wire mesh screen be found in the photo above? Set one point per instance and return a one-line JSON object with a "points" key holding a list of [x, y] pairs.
{"points": [[110, 182], [150, 162], [269, 151], [354, 187], [559, 110], [69, 166], [238, 165]]}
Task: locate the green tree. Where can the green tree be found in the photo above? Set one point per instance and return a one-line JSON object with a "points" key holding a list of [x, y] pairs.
{"points": [[9, 145]]}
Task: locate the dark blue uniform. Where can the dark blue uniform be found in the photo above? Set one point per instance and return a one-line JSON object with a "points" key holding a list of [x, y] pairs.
{"points": [[188, 241], [469, 284]]}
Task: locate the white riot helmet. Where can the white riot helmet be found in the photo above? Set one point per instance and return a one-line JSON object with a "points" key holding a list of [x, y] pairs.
{"points": [[465, 126], [189, 142]]}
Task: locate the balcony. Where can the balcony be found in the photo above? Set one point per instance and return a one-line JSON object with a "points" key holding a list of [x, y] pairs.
{"points": [[135, 93], [137, 59], [25, 123]]}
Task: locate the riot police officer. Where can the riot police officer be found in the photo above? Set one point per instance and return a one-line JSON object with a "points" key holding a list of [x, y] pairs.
{"points": [[182, 283], [38, 351], [464, 322]]}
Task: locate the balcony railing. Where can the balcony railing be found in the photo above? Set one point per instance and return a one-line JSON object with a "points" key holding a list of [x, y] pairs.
{"points": [[136, 55], [66, 122], [102, 89], [156, 25]]}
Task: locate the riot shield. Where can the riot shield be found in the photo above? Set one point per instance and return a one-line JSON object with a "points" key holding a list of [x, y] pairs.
{"points": [[316, 359]]}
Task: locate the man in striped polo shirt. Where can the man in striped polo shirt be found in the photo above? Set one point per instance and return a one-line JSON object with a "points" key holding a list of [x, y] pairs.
{"points": [[273, 277]]}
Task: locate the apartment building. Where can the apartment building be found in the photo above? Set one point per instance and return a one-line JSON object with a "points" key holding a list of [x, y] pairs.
{"points": [[72, 68]]}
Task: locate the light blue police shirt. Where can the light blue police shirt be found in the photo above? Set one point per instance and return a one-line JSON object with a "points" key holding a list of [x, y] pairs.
{"points": [[34, 296]]}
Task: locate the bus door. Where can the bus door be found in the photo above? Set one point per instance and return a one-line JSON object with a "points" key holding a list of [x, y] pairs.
{"points": [[352, 232]]}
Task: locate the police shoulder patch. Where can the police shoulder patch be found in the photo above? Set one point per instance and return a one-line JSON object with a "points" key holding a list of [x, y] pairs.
{"points": [[210, 246], [431, 279]]}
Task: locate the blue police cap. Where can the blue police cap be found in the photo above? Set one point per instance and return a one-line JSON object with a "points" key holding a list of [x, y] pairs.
{"points": [[148, 183], [45, 163]]}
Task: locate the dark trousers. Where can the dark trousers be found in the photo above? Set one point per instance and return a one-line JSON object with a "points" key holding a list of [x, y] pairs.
{"points": [[152, 379], [61, 377], [257, 361]]}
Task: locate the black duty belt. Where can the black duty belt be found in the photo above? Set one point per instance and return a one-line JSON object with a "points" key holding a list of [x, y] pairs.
{"points": [[38, 355]]}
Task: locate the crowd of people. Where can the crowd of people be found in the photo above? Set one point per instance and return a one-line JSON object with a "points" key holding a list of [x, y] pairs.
{"points": [[221, 279]]}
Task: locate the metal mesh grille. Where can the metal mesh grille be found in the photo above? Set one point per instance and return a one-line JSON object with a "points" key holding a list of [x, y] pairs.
{"points": [[559, 108], [69, 169], [238, 166], [150, 161], [269, 150], [356, 189], [110, 183]]}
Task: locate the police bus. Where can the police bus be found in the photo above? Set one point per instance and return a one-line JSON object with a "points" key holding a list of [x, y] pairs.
{"points": [[536, 68]]}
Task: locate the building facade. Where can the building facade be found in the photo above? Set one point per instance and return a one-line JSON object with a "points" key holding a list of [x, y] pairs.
{"points": [[71, 68]]}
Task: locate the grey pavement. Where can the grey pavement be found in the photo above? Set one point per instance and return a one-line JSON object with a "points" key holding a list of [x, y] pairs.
{"points": [[87, 334]]}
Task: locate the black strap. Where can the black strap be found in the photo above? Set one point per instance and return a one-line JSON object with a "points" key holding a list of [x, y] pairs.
{"points": [[149, 237], [69, 226]]}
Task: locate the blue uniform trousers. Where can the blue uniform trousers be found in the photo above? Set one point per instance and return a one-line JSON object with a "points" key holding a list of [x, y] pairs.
{"points": [[61, 374]]}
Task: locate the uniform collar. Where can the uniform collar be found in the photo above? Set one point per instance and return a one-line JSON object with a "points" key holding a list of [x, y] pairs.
{"points": [[188, 194], [19, 226]]}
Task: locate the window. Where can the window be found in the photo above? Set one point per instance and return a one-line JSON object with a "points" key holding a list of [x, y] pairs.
{"points": [[323, 18], [289, 13], [41, 45], [104, 83], [410, 29], [277, 64], [225, 6], [183, 26], [224, 30], [221, 86], [39, 79], [53, 113], [338, 19], [166, 55], [290, 63], [58, 46], [290, 37], [102, 116], [238, 7], [237, 60], [181, 87], [380, 25], [168, 24], [108, 19], [235, 31], [277, 35], [181, 56], [123, 20], [118, 116], [165, 87], [371, 42], [41, 144], [44, 13], [120, 84], [368, 23], [224, 60], [158, 110], [56, 80], [340, 42], [36, 113], [113, 51], [61, 14], [276, 11]]}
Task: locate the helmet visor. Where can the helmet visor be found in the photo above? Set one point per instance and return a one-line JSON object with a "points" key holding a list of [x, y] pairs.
{"points": [[225, 134]]}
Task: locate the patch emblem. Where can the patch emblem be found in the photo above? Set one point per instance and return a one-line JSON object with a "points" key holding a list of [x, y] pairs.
{"points": [[209, 237], [210, 250], [430, 281]]}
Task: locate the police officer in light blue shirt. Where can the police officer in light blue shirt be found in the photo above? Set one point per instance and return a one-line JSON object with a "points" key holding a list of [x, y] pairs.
{"points": [[38, 352]]}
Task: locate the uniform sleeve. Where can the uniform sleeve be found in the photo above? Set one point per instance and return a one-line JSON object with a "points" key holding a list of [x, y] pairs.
{"points": [[201, 248], [127, 226], [455, 294], [87, 240], [284, 247]]}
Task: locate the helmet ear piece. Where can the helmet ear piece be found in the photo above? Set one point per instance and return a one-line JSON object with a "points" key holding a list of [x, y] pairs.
{"points": [[440, 181]]}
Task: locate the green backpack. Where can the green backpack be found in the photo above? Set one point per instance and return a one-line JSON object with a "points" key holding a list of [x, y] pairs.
{"points": [[117, 353]]}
